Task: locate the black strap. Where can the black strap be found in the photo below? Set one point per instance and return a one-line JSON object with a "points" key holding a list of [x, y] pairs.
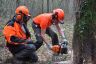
{"points": [[27, 31], [11, 22]]}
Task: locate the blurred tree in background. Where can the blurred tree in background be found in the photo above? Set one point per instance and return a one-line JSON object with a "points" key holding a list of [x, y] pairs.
{"points": [[84, 41], [7, 7]]}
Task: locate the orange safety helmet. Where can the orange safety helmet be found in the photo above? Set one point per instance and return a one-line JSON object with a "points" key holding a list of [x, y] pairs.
{"points": [[60, 13], [20, 11]]}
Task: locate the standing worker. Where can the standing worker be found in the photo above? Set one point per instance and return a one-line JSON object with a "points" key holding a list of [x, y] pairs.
{"points": [[41, 26], [18, 38]]}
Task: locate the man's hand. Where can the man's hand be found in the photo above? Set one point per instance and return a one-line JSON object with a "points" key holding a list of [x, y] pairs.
{"points": [[64, 48], [29, 41], [30, 44], [65, 41]]}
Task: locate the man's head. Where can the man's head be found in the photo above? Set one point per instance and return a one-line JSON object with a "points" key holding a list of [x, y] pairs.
{"points": [[58, 16], [22, 14]]}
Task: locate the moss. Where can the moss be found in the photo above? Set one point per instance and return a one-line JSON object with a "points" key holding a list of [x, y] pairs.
{"points": [[84, 32], [84, 25]]}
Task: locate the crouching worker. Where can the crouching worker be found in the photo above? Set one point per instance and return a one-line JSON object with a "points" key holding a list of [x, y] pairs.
{"points": [[17, 36], [41, 26]]}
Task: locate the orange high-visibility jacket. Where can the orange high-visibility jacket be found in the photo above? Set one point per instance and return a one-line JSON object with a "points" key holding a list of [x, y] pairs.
{"points": [[13, 31], [44, 20]]}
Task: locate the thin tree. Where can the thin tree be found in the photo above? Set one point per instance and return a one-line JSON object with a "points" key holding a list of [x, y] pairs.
{"points": [[17, 3]]}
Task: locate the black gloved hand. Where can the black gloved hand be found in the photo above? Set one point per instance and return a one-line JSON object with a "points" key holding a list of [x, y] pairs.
{"points": [[64, 43], [64, 49], [29, 41], [30, 44]]}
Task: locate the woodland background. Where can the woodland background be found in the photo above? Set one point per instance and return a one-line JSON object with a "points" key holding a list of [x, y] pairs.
{"points": [[79, 28]]}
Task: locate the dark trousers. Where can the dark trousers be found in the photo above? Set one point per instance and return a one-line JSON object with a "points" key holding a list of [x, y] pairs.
{"points": [[23, 52], [49, 32]]}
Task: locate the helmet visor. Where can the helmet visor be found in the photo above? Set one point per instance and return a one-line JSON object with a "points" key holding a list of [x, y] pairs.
{"points": [[61, 22], [26, 18]]}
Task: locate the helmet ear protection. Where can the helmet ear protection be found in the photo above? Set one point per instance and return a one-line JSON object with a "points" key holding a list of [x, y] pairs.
{"points": [[19, 16], [54, 17]]}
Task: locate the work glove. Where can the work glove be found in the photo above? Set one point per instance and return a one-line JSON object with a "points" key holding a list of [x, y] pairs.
{"points": [[29, 41], [65, 42], [64, 49]]}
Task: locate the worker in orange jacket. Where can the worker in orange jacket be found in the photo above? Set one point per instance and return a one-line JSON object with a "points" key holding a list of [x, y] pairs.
{"points": [[41, 26], [18, 38]]}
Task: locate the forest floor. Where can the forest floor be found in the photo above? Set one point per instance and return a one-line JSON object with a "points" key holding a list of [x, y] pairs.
{"points": [[45, 55]]}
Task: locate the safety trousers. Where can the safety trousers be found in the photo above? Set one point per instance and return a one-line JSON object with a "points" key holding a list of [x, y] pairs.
{"points": [[23, 52]]}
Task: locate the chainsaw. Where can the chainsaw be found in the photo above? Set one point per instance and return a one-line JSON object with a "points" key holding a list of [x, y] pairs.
{"points": [[59, 49]]}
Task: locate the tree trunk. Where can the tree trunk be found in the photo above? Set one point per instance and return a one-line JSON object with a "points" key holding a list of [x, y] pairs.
{"points": [[84, 40], [17, 3]]}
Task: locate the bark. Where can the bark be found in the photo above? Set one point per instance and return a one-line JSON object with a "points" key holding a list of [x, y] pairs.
{"points": [[84, 40]]}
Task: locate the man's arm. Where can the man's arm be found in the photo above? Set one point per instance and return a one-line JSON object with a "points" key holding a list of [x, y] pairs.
{"points": [[17, 40], [44, 38], [60, 31]]}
